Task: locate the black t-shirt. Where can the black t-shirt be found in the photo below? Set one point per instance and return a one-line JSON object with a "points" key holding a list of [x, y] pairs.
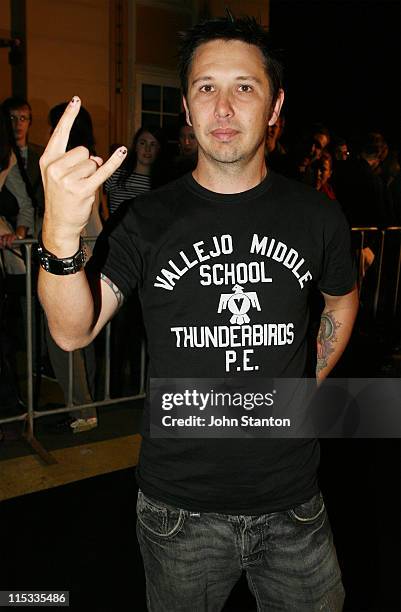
{"points": [[215, 268]]}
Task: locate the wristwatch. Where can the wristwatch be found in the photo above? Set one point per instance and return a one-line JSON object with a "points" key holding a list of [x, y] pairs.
{"points": [[63, 265]]}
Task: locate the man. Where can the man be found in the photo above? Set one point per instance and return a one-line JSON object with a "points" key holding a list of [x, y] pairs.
{"points": [[339, 148], [20, 112], [273, 135], [360, 190], [308, 149], [188, 142], [188, 149], [16, 212], [210, 508], [322, 170], [320, 140], [276, 154]]}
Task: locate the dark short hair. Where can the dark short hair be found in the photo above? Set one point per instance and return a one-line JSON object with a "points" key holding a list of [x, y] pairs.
{"points": [[81, 133], [245, 29], [320, 128], [15, 102], [371, 145]]}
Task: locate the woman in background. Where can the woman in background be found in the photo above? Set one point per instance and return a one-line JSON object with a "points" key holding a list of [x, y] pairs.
{"points": [[141, 171]]}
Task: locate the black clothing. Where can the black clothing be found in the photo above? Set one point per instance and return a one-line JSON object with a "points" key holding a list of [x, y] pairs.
{"points": [[190, 251], [363, 195], [182, 164]]}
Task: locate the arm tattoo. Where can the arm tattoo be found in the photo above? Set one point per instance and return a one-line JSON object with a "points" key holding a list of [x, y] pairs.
{"points": [[114, 288], [326, 337]]}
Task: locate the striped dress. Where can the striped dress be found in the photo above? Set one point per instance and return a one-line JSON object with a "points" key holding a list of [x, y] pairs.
{"points": [[119, 192]]}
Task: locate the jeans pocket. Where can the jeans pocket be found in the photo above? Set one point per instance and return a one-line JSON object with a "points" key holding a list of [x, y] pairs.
{"points": [[309, 511], [158, 519]]}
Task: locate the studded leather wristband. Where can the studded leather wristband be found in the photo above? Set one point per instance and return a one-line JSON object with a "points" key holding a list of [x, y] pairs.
{"points": [[61, 265]]}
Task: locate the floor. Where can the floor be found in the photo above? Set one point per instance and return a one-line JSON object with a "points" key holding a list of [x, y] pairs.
{"points": [[81, 536]]}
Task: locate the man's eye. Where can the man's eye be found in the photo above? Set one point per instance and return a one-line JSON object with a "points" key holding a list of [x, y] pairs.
{"points": [[206, 88], [245, 88]]}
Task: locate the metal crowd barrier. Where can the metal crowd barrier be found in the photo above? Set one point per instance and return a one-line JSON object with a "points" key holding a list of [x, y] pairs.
{"points": [[31, 413], [381, 239], [383, 276]]}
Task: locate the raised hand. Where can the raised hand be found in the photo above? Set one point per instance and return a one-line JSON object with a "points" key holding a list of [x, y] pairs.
{"points": [[70, 181]]}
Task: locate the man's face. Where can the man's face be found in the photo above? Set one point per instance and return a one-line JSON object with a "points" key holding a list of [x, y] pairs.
{"points": [[323, 173], [21, 120], [188, 142], [271, 137], [320, 141], [342, 152], [229, 101]]}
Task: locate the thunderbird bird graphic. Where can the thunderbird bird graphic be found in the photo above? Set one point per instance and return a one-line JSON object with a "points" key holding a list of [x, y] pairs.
{"points": [[238, 303]]}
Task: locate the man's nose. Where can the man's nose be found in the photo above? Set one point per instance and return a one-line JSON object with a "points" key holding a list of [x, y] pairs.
{"points": [[224, 107]]}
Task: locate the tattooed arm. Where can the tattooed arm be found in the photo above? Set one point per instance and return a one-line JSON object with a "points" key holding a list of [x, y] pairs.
{"points": [[117, 293], [336, 325], [77, 309]]}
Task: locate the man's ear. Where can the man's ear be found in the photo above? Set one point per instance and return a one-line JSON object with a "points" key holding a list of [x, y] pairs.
{"points": [[277, 107], [187, 113]]}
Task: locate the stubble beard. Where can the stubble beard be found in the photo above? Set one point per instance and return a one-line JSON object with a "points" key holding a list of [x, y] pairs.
{"points": [[230, 158], [225, 157], [221, 154]]}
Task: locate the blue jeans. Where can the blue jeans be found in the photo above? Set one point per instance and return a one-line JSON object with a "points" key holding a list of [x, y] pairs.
{"points": [[192, 560]]}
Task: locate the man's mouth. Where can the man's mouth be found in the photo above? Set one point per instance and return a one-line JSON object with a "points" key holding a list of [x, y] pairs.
{"points": [[224, 134]]}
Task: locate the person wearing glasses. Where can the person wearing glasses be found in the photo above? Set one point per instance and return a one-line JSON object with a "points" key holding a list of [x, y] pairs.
{"points": [[16, 212], [20, 113]]}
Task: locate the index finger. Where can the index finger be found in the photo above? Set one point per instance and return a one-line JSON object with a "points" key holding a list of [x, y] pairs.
{"points": [[58, 141]]}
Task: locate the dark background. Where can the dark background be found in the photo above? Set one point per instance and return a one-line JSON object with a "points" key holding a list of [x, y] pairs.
{"points": [[81, 536], [342, 63]]}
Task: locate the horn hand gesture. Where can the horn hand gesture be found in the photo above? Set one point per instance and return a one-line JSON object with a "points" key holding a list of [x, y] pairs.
{"points": [[71, 180]]}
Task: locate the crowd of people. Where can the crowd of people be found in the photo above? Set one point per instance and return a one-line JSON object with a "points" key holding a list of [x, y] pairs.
{"points": [[363, 175]]}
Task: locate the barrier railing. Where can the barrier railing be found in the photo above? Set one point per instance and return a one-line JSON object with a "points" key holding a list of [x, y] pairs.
{"points": [[31, 413], [385, 245], [385, 301]]}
